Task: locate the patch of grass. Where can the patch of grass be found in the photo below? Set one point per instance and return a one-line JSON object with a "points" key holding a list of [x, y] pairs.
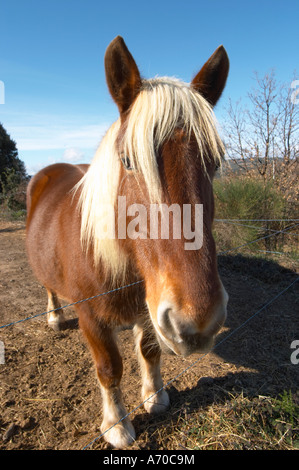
{"points": [[286, 406], [239, 423], [12, 215]]}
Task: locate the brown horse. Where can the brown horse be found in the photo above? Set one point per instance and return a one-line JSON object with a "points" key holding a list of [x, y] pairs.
{"points": [[162, 151]]}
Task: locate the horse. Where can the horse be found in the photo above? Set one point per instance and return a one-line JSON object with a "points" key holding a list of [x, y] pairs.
{"points": [[163, 149]]}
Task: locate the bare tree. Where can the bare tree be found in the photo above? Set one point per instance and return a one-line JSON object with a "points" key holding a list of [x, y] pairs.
{"points": [[288, 139], [263, 139], [235, 131]]}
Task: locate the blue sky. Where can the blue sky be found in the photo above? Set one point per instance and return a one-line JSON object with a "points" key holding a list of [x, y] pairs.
{"points": [[57, 105]]}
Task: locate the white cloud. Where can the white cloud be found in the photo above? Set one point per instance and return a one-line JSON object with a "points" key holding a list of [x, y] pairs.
{"points": [[32, 137], [46, 139], [43, 139], [73, 155], [70, 155], [34, 131], [33, 168]]}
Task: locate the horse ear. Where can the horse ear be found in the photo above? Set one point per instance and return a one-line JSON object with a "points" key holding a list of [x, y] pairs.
{"points": [[122, 74], [210, 80]]}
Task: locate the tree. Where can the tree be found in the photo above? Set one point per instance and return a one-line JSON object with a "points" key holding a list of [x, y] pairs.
{"points": [[262, 140], [10, 163]]}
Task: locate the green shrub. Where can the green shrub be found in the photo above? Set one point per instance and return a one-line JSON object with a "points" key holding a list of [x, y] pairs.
{"points": [[241, 198], [13, 195]]}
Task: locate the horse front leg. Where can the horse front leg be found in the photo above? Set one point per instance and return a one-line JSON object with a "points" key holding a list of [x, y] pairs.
{"points": [[149, 353], [118, 431], [55, 316]]}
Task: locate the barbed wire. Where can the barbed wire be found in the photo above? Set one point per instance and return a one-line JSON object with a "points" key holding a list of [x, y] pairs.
{"points": [[250, 226], [72, 304], [257, 239], [134, 283], [258, 220]]}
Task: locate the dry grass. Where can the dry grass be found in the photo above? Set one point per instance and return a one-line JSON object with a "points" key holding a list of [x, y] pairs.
{"points": [[236, 422], [240, 423]]}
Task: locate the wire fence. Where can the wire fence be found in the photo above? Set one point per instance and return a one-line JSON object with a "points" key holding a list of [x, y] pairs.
{"points": [[72, 304], [257, 220], [295, 223], [257, 227], [277, 232], [141, 281]]}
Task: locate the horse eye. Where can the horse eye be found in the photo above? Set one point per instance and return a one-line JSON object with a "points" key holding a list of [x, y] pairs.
{"points": [[126, 162], [217, 165]]}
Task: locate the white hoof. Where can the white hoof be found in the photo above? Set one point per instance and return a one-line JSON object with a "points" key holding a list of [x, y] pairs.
{"points": [[56, 322], [121, 435], [158, 403]]}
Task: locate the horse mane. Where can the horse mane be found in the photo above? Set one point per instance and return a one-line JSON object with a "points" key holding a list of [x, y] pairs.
{"points": [[162, 105]]}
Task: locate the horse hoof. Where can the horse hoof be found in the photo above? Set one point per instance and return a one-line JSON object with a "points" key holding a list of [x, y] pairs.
{"points": [[57, 326], [120, 435], [158, 403]]}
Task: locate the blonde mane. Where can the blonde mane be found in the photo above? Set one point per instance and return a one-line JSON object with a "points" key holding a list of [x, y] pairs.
{"points": [[162, 105]]}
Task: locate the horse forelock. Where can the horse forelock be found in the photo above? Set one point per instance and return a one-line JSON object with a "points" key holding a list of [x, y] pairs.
{"points": [[163, 105]]}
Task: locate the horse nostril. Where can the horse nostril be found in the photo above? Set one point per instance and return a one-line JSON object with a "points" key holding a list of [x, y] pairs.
{"points": [[168, 323], [164, 319]]}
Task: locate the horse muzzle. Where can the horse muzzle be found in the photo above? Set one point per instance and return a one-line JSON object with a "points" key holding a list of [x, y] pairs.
{"points": [[186, 345], [182, 335]]}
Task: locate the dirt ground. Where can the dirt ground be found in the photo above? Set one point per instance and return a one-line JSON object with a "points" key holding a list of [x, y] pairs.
{"points": [[49, 397]]}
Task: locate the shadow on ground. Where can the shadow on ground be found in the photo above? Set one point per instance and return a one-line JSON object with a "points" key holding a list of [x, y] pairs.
{"points": [[257, 344]]}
